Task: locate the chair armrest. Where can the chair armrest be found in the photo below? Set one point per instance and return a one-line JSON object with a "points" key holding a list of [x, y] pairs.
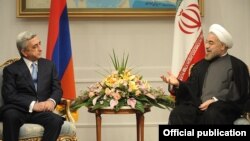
{"points": [[67, 104], [247, 116]]}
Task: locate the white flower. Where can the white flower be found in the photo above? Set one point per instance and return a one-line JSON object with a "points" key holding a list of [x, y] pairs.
{"points": [[95, 99]]}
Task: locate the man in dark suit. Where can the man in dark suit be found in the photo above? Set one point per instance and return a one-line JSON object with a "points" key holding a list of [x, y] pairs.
{"points": [[31, 90], [217, 90]]}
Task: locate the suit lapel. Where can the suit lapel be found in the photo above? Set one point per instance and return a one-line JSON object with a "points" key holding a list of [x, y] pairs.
{"points": [[26, 73], [41, 70]]}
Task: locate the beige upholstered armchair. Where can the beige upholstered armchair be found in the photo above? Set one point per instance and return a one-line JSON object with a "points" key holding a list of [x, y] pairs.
{"points": [[34, 132], [245, 118]]}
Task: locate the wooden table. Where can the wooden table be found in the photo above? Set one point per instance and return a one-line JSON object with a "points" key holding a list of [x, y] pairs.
{"points": [[139, 120]]}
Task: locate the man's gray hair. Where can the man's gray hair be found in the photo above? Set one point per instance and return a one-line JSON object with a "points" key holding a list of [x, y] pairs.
{"points": [[22, 39]]}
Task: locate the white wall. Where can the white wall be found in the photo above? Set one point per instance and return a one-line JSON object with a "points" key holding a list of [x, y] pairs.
{"points": [[148, 42]]}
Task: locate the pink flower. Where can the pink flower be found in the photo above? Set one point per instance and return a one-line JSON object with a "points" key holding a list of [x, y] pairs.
{"points": [[113, 103], [91, 94], [116, 96], [131, 102]]}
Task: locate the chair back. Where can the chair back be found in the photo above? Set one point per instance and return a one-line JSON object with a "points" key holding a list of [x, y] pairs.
{"points": [[6, 63]]}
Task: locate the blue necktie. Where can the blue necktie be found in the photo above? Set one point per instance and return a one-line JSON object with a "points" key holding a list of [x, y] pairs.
{"points": [[34, 74]]}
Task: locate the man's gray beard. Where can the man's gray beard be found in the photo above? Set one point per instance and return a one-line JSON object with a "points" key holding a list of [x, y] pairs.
{"points": [[210, 57]]}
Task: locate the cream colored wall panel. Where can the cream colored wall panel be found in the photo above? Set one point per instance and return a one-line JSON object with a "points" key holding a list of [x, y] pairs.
{"points": [[95, 74]]}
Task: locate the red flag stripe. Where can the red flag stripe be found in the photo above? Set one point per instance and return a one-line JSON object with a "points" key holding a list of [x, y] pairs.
{"points": [[56, 9], [196, 54]]}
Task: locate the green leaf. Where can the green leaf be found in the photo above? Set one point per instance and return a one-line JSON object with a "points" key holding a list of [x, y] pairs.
{"points": [[153, 102], [98, 105], [119, 66], [76, 107], [121, 103], [114, 60], [142, 98], [139, 106], [168, 103]]}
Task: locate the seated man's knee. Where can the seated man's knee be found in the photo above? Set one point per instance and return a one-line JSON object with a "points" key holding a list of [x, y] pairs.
{"points": [[12, 116], [56, 121], [213, 115], [183, 114]]}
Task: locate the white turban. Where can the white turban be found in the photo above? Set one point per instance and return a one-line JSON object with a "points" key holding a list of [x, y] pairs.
{"points": [[222, 34]]}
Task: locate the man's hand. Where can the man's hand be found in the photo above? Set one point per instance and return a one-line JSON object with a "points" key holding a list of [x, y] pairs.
{"points": [[205, 104], [44, 106], [39, 106], [49, 105], [170, 79]]}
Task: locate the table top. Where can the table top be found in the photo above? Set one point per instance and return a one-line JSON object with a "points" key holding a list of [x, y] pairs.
{"points": [[123, 110]]}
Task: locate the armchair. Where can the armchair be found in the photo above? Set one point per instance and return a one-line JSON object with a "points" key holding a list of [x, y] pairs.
{"points": [[34, 132], [245, 118]]}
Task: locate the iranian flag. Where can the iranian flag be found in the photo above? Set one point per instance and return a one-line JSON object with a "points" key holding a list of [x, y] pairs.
{"points": [[188, 45]]}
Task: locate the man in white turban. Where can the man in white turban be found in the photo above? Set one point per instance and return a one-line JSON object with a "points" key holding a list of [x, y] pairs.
{"points": [[217, 89], [223, 35]]}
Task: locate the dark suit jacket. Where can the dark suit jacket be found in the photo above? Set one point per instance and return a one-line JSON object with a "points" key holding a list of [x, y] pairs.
{"points": [[18, 90]]}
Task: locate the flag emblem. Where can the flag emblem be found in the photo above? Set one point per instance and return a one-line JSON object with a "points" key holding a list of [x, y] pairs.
{"points": [[190, 20]]}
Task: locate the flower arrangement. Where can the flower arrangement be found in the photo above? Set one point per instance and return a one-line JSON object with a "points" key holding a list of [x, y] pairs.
{"points": [[122, 88]]}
